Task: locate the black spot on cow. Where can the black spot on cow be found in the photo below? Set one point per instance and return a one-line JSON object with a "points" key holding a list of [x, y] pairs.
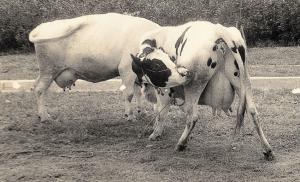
{"points": [[236, 65], [173, 58], [214, 48], [213, 65], [157, 71], [234, 48], [180, 40], [171, 92], [162, 49], [241, 50], [209, 61], [136, 66], [182, 46], [146, 51], [219, 40], [236, 73], [151, 42]]}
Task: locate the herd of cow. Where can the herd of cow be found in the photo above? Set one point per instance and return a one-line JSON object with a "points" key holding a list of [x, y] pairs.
{"points": [[195, 63]]}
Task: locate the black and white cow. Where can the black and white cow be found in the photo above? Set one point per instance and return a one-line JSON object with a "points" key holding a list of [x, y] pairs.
{"points": [[92, 48], [216, 56]]}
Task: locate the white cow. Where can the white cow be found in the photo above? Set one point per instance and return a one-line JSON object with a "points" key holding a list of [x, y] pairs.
{"points": [[92, 48], [216, 56]]}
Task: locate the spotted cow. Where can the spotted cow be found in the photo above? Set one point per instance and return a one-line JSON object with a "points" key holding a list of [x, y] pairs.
{"points": [[92, 48], [216, 57]]}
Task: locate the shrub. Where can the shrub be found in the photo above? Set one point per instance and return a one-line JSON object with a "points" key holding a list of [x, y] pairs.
{"points": [[266, 22]]}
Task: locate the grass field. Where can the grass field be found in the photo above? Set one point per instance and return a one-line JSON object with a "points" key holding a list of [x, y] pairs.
{"points": [[87, 140], [274, 61]]}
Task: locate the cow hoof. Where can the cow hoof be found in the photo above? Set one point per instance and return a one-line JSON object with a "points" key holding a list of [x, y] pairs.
{"points": [[44, 117], [180, 148], [269, 155], [129, 117], [140, 114], [154, 137]]}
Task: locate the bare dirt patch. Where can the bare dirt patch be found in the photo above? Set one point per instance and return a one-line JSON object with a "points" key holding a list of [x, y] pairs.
{"points": [[273, 61], [87, 140], [18, 66]]}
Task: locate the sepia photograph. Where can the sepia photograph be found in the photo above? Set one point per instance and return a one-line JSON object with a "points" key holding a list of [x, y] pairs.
{"points": [[150, 90]]}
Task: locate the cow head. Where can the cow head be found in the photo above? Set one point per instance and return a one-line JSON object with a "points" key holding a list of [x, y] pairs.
{"points": [[155, 66]]}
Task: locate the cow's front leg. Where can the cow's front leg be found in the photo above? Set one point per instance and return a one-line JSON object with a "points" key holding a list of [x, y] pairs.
{"points": [[138, 96], [192, 94], [128, 93], [161, 109], [40, 89]]}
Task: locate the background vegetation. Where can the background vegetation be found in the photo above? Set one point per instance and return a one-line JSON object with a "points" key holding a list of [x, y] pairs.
{"points": [[266, 22]]}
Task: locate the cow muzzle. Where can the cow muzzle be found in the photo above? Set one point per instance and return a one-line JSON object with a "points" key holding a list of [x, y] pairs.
{"points": [[180, 76], [186, 74]]}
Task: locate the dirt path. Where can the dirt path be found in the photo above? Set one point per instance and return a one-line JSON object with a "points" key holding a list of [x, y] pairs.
{"points": [[87, 140]]}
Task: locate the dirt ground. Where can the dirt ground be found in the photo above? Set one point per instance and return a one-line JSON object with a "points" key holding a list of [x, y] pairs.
{"points": [[87, 140], [272, 61]]}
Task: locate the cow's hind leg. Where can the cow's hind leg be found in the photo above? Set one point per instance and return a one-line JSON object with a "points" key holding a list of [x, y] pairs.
{"points": [[251, 109], [41, 86], [192, 95]]}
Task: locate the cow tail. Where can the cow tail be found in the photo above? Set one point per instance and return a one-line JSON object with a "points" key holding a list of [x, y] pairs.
{"points": [[68, 27], [242, 77]]}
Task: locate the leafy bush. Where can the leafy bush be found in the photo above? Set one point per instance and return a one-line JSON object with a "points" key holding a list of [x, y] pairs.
{"points": [[266, 22]]}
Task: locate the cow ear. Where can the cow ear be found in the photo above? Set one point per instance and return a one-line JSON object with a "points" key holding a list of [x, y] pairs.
{"points": [[136, 66], [136, 61]]}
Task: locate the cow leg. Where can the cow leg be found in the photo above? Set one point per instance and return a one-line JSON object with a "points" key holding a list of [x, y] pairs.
{"points": [[228, 111], [128, 80], [128, 95], [161, 108], [192, 95], [214, 111], [138, 96], [251, 109], [41, 86], [155, 108]]}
